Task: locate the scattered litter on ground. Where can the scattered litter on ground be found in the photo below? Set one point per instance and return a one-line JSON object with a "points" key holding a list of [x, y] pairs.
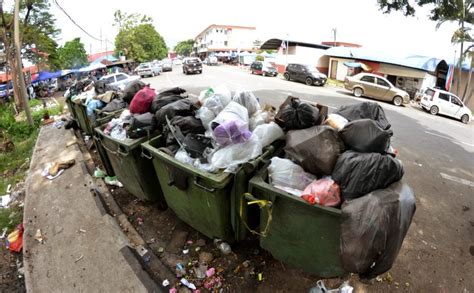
{"points": [[15, 239], [79, 258], [81, 231], [99, 173], [188, 284], [39, 236], [112, 180], [165, 283], [54, 170]]}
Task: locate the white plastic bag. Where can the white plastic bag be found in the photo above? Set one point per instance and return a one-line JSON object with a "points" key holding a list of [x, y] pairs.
{"points": [[283, 172], [224, 93], [268, 133], [206, 117], [248, 100], [203, 95], [216, 103], [233, 155], [233, 111], [183, 157]]}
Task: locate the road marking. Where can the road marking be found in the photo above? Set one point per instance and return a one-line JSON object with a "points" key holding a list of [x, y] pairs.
{"points": [[449, 138], [169, 80], [458, 180]]}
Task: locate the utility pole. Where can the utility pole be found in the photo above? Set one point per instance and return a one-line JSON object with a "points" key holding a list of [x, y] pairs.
{"points": [[21, 78], [334, 30]]}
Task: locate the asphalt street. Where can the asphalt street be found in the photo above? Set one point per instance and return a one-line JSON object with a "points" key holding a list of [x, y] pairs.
{"points": [[437, 153]]}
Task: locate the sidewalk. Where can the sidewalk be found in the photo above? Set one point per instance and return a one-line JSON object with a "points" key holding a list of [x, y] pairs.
{"points": [[84, 250]]}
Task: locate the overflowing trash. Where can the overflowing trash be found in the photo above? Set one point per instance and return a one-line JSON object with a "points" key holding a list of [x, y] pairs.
{"points": [[15, 239]]}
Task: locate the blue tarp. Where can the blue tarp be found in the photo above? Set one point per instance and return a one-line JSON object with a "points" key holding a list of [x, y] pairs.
{"points": [[45, 75], [108, 58]]}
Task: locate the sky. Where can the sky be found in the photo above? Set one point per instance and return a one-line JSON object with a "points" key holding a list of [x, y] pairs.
{"points": [[310, 21]]}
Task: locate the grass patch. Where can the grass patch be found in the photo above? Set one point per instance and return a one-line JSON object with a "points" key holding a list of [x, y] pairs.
{"points": [[335, 82], [10, 218]]}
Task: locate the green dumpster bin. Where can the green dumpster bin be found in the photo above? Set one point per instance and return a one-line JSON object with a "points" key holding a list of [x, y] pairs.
{"points": [[294, 231], [71, 108], [134, 171], [205, 201]]}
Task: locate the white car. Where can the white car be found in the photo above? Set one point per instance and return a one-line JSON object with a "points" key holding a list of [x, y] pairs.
{"points": [[148, 69], [121, 80], [437, 101], [177, 62]]}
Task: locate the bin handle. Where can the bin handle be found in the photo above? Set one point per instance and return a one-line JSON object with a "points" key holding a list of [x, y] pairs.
{"points": [[146, 156], [261, 204], [121, 153], [202, 186], [111, 151]]}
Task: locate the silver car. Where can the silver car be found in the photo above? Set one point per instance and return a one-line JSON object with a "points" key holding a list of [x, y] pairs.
{"points": [[377, 87]]}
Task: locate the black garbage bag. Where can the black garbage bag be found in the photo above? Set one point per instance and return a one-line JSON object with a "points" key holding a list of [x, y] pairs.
{"points": [[373, 228], [160, 102], [365, 110], [316, 149], [360, 173], [131, 89], [294, 114], [171, 92], [366, 136], [141, 120], [184, 107], [114, 105], [188, 124]]}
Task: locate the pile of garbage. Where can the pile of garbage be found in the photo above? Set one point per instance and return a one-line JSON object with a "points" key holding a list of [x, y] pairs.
{"points": [[102, 98], [219, 131], [346, 161]]}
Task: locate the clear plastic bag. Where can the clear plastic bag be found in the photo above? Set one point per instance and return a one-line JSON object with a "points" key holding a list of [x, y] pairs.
{"points": [[268, 133], [233, 111], [233, 155], [206, 117], [231, 132], [283, 172], [324, 192], [248, 100]]}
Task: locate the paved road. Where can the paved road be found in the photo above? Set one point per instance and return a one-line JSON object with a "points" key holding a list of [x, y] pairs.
{"points": [[439, 164]]}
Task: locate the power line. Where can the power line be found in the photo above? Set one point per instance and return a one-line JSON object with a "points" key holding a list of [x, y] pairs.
{"points": [[62, 9]]}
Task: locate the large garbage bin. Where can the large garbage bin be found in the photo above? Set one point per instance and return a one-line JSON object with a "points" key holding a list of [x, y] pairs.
{"points": [[207, 202], [294, 231], [71, 108], [134, 171]]}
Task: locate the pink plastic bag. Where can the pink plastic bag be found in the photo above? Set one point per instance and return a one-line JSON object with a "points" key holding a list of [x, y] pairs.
{"points": [[141, 102], [324, 192]]}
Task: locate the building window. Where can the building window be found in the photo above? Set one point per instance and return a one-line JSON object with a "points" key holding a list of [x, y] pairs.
{"points": [[225, 43]]}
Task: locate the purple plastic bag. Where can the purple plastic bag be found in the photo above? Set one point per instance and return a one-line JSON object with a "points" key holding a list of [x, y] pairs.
{"points": [[231, 132]]}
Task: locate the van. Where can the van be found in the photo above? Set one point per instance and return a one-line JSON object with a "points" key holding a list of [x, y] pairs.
{"points": [[437, 101]]}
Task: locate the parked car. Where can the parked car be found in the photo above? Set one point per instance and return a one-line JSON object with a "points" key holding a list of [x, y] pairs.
{"points": [[3, 91], [192, 65], [437, 101], [304, 73], [377, 87], [148, 69], [263, 68], [166, 65], [121, 80], [211, 61]]}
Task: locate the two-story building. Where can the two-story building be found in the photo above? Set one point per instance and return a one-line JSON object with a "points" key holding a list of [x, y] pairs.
{"points": [[224, 38]]}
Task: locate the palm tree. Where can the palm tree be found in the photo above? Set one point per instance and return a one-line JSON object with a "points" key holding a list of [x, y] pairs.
{"points": [[467, 92], [460, 11]]}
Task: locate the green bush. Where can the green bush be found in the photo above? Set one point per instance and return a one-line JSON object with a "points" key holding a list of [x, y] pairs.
{"points": [[259, 58]]}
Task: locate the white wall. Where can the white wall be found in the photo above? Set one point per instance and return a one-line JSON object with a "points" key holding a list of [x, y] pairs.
{"points": [[341, 68], [390, 69]]}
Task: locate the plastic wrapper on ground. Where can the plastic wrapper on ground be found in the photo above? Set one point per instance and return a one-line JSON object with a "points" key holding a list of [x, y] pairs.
{"points": [[373, 229]]}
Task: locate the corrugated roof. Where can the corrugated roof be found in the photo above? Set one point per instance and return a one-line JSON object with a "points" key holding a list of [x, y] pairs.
{"points": [[420, 62]]}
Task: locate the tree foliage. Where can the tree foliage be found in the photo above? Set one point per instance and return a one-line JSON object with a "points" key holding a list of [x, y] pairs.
{"points": [[72, 54], [137, 38], [38, 31], [184, 48]]}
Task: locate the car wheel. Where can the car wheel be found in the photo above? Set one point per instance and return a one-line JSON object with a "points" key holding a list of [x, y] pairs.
{"points": [[397, 101], [358, 92], [434, 110], [309, 81], [142, 76], [287, 76], [465, 119]]}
